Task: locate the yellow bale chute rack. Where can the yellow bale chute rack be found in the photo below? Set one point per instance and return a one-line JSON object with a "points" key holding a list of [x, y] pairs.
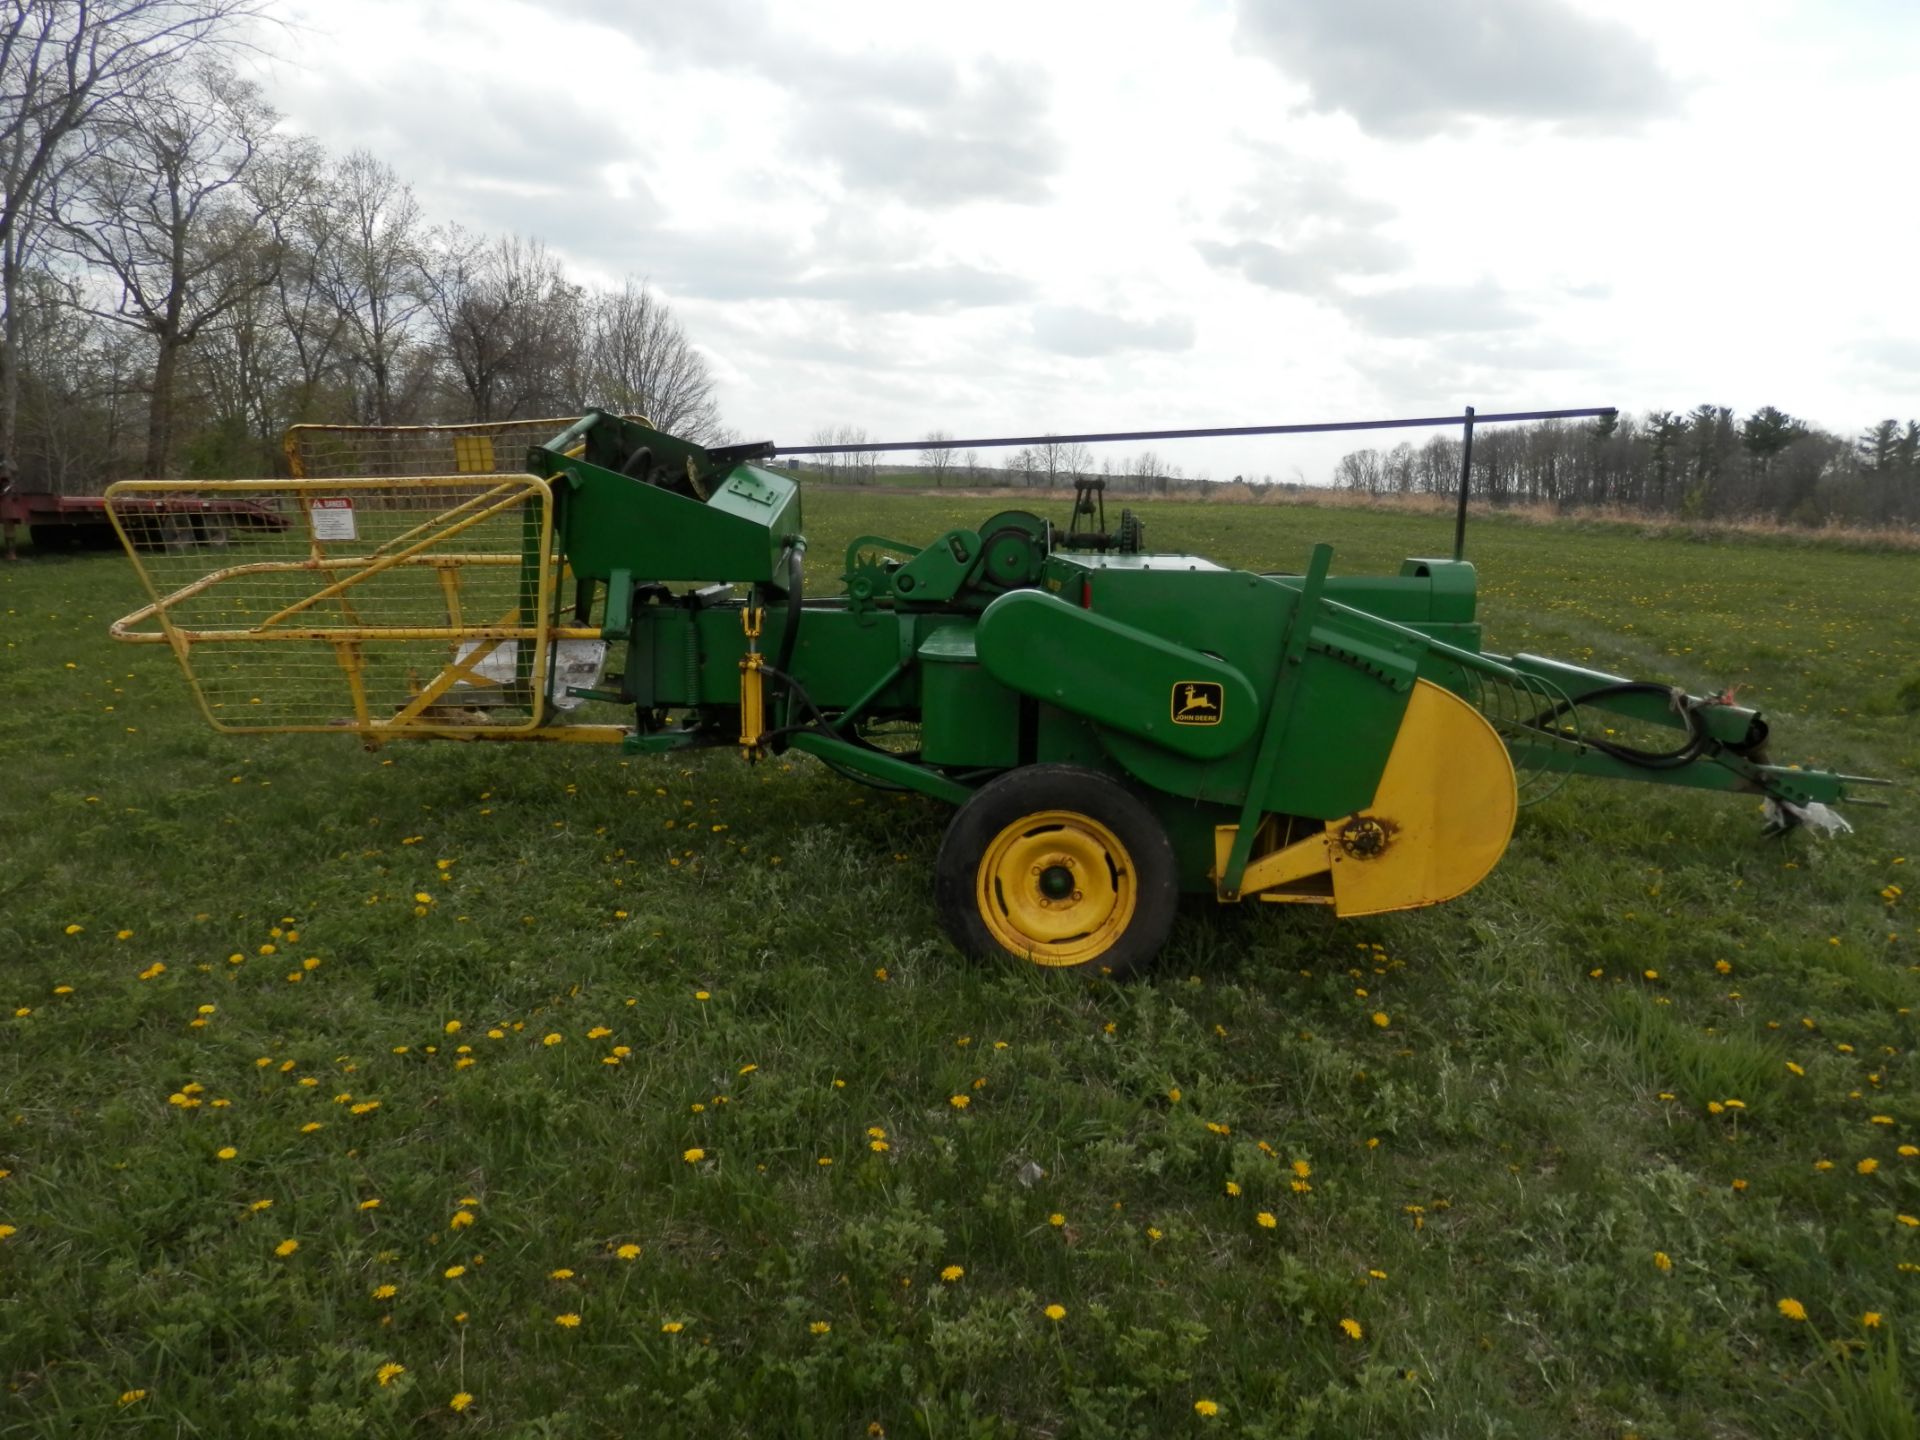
{"points": [[401, 583]]}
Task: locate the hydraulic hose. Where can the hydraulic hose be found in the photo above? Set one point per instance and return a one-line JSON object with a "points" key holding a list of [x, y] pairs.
{"points": [[1685, 754], [790, 637]]}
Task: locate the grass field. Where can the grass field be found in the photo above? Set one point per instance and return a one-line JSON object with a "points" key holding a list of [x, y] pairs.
{"points": [[534, 1092]]}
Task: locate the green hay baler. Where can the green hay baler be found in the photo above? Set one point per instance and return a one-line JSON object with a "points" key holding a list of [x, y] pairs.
{"points": [[1114, 727]]}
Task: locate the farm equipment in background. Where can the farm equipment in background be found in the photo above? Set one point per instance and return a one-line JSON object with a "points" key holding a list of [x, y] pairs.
{"points": [[72, 522], [1114, 726]]}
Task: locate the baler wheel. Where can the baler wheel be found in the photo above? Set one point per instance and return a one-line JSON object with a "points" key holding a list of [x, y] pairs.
{"points": [[1058, 866]]}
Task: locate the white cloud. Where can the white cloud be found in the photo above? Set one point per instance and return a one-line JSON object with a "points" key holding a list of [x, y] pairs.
{"points": [[1013, 219], [1413, 69]]}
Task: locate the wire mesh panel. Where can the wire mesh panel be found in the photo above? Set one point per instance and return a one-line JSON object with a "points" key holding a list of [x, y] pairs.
{"points": [[322, 452], [1535, 719], [373, 606]]}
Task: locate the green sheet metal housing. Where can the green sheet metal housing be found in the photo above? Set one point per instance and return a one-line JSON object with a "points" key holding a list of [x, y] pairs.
{"points": [[1007, 651]]}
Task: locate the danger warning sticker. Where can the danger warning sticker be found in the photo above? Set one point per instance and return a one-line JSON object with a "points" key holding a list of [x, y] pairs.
{"points": [[332, 519]]}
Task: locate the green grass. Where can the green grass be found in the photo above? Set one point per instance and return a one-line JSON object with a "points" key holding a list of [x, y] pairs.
{"points": [[1510, 1153]]}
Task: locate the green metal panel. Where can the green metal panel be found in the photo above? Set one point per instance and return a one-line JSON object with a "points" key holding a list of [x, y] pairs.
{"points": [[938, 572], [968, 720], [1117, 674], [608, 522]]}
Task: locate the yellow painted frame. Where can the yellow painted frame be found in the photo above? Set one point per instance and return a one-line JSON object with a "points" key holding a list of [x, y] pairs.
{"points": [[416, 546]]}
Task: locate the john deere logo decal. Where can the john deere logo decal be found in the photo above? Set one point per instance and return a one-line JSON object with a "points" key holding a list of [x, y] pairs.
{"points": [[1197, 702]]}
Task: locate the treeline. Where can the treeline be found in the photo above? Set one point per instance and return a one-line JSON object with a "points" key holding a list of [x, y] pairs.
{"points": [[1704, 464], [183, 279]]}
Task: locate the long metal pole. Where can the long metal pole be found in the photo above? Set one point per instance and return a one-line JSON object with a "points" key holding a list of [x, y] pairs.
{"points": [[1429, 421], [1466, 473]]}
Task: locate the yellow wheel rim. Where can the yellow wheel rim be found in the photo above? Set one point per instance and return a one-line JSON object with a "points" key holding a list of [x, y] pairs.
{"points": [[1057, 887]]}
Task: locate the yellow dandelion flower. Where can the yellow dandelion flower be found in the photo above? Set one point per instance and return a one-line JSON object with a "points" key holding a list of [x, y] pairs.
{"points": [[260, 1205], [286, 1248], [1302, 1169], [568, 1321], [1867, 1166], [1266, 1220], [7, 1232], [225, 1152], [389, 1372], [132, 1397], [555, 1038], [628, 1252], [561, 1274], [959, 1102], [1908, 1220], [1207, 1408], [1233, 1187], [75, 929], [460, 1402], [1352, 1329], [672, 1327], [1793, 1309], [693, 1156], [1662, 1261], [1056, 1219], [373, 1204], [461, 1220], [1055, 1313], [1794, 1069], [819, 1327], [1381, 1018], [1871, 1319], [454, 1272], [385, 1292], [952, 1273], [878, 1146]]}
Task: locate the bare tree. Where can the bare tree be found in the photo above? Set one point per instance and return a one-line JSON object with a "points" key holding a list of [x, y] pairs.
{"points": [[1049, 460], [506, 319], [641, 360], [162, 214], [306, 228], [61, 64], [938, 458], [370, 273], [830, 462], [1075, 461], [863, 465], [1020, 466]]}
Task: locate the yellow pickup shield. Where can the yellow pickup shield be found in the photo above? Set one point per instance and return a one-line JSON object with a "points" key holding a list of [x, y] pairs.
{"points": [[1439, 822]]}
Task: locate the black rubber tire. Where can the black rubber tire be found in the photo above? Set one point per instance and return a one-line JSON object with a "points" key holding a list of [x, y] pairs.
{"points": [[1030, 791]]}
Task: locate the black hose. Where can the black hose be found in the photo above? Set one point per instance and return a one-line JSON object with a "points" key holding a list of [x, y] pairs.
{"points": [[791, 636], [1697, 738]]}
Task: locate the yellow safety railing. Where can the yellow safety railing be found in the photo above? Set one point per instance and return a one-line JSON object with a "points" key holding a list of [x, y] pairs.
{"points": [[386, 607], [322, 452]]}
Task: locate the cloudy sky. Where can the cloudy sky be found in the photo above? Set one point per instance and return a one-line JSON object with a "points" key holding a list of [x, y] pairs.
{"points": [[1026, 215]]}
